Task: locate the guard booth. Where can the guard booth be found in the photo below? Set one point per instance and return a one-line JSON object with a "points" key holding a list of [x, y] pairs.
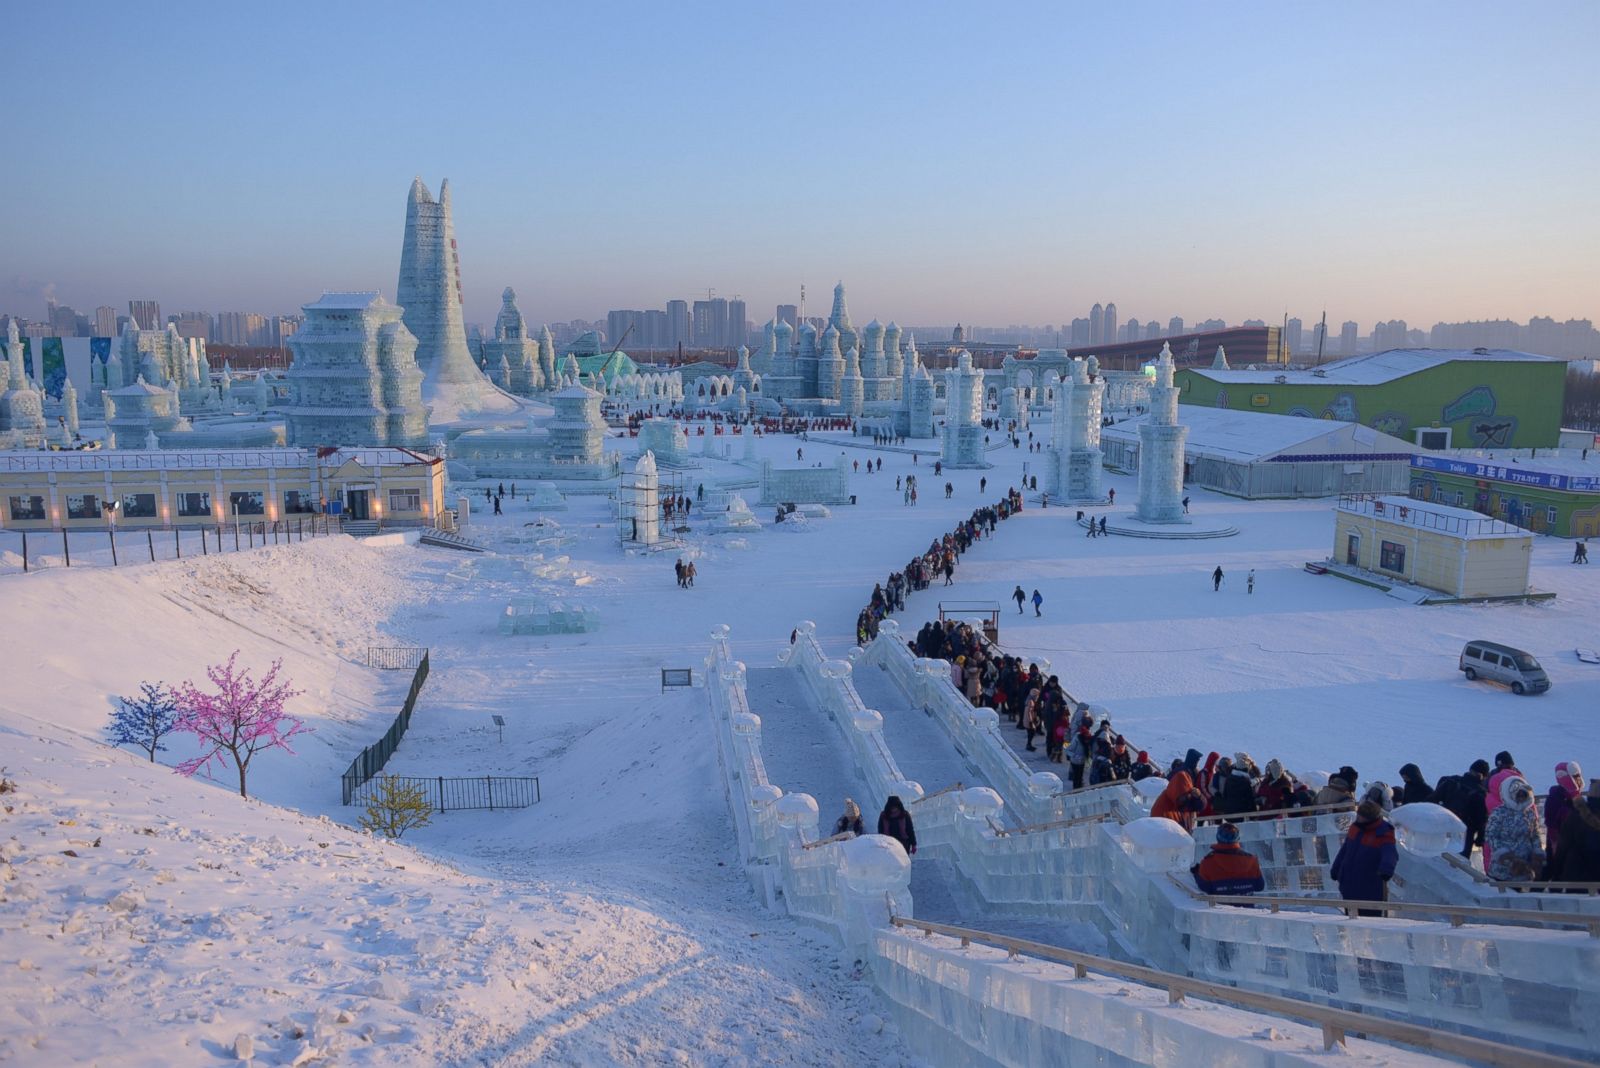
{"points": [[986, 613]]}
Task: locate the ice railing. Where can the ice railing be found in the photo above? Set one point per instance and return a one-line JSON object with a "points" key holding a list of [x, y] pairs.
{"points": [[1099, 870], [845, 885]]}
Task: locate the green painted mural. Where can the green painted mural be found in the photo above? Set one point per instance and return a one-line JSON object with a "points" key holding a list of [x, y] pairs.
{"points": [[1486, 403]]}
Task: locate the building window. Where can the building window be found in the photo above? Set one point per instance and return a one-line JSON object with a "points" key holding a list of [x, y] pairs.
{"points": [[247, 502], [139, 505], [83, 506], [1392, 557], [405, 500], [26, 508], [1461, 499], [299, 502], [192, 504], [1550, 515]]}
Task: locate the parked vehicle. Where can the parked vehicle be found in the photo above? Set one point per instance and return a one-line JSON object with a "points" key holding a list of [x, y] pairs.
{"points": [[1501, 663]]}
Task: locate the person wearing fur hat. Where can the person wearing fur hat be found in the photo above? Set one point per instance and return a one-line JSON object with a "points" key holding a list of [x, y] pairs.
{"points": [[1367, 859], [1228, 869], [1558, 806], [895, 822], [851, 820], [1142, 768], [1493, 796], [1233, 792], [1511, 848], [1181, 802]]}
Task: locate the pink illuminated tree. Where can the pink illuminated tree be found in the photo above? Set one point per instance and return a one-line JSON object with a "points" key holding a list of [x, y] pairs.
{"points": [[239, 720]]}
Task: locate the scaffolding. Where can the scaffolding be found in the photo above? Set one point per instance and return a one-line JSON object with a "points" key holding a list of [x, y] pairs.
{"points": [[634, 494]]}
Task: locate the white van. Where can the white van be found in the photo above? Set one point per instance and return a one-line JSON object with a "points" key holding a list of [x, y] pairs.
{"points": [[1501, 663]]}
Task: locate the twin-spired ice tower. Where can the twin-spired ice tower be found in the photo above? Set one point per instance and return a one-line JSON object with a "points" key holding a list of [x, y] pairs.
{"points": [[429, 291], [1161, 440], [1073, 460]]}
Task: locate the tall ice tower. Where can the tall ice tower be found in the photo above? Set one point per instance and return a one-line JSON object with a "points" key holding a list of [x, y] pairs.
{"points": [[1161, 441], [429, 291]]}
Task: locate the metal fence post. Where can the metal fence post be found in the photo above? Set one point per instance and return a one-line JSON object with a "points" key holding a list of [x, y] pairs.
{"points": [[441, 793], [489, 785], [24, 550], [112, 534], [151, 539], [66, 549]]}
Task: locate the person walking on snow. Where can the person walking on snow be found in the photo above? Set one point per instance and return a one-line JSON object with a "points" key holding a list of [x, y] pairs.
{"points": [[679, 568], [983, 483], [1580, 552], [1216, 579], [1038, 602], [1018, 596], [1250, 581], [895, 822], [1186, 506], [1102, 526], [688, 574], [1111, 496]]}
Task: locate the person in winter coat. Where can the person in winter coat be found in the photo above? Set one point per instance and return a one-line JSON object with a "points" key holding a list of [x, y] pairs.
{"points": [[895, 822], [1578, 854], [851, 820], [1415, 788], [1228, 869], [1232, 792], [1567, 792], [1511, 836], [1337, 792], [1078, 755], [1018, 596], [1276, 789], [1464, 795], [1180, 802], [1367, 859], [1038, 603], [1493, 796], [1142, 769]]}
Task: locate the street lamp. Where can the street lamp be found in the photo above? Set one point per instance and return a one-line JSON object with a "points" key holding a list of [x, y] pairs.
{"points": [[111, 527]]}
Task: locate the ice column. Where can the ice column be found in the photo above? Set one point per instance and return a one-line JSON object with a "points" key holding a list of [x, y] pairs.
{"points": [[963, 426], [1074, 460], [645, 523], [1161, 441]]}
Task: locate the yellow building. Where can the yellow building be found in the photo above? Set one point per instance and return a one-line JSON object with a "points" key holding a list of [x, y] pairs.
{"points": [[1461, 553], [207, 487]]}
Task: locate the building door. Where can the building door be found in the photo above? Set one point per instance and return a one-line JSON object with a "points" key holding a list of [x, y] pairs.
{"points": [[1352, 550], [357, 504]]}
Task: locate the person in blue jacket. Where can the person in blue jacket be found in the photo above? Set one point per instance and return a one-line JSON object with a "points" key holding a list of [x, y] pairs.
{"points": [[1367, 858]]}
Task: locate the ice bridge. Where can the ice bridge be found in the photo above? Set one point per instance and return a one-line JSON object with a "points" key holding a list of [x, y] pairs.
{"points": [[1038, 925]]}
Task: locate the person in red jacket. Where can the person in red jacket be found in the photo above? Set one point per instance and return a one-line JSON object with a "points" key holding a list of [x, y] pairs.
{"points": [[1228, 869], [1180, 802], [1276, 790]]}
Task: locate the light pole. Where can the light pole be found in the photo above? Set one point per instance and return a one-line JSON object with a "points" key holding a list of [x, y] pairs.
{"points": [[111, 527]]}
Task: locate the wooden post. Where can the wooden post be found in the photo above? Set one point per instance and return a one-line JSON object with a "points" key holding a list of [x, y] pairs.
{"points": [[250, 535], [203, 550]]}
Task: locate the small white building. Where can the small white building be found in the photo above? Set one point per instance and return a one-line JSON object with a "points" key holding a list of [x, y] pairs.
{"points": [[1256, 454], [1461, 553]]}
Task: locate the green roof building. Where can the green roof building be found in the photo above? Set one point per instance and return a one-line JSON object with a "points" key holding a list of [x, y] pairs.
{"points": [[1436, 398]]}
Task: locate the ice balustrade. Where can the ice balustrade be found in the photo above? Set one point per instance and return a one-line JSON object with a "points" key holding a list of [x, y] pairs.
{"points": [[1121, 877], [1091, 869], [845, 885], [967, 996]]}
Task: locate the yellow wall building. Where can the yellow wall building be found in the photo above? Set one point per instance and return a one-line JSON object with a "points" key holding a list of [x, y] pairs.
{"points": [[207, 487], [1461, 553]]}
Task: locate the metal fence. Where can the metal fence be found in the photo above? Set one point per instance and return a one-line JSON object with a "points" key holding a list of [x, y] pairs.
{"points": [[396, 658], [372, 759], [447, 794], [136, 544]]}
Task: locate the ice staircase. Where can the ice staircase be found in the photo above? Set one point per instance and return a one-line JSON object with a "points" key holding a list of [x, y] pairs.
{"points": [[445, 539], [966, 996]]}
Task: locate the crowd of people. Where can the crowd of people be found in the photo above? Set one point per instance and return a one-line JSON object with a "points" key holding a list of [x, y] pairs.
{"points": [[938, 560]]}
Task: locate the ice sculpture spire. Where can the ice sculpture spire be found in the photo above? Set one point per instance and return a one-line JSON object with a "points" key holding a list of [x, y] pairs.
{"points": [[429, 291]]}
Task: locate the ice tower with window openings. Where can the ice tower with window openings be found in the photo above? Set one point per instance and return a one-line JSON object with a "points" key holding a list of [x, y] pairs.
{"points": [[963, 423], [1073, 462], [1161, 440]]}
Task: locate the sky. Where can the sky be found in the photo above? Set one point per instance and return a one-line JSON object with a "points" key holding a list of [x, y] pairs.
{"points": [[991, 164]]}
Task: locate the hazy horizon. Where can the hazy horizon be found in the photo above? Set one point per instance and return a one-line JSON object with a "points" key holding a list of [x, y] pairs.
{"points": [[1428, 162]]}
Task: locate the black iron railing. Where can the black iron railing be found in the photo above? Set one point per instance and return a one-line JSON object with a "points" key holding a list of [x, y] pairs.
{"points": [[447, 794], [372, 759]]}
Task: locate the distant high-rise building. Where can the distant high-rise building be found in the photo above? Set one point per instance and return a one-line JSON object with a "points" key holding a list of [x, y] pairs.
{"points": [[1319, 339], [1079, 334], [193, 324], [1390, 335], [711, 323], [146, 314], [1255, 322], [1175, 325], [1132, 331], [105, 321], [789, 313], [1348, 333], [1294, 337], [618, 325], [1211, 324], [63, 320], [679, 325], [738, 327], [1108, 326], [1152, 330], [1097, 325], [654, 330]]}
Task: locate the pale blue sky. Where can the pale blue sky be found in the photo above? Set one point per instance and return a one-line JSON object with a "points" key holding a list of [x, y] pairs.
{"points": [[994, 163]]}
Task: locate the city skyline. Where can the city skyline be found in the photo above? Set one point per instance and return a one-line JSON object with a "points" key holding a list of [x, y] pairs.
{"points": [[1260, 181]]}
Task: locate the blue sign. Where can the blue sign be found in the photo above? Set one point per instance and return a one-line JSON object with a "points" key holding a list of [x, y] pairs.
{"points": [[1515, 473]]}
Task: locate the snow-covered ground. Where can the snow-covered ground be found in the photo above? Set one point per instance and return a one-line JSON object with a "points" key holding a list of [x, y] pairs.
{"points": [[604, 924]]}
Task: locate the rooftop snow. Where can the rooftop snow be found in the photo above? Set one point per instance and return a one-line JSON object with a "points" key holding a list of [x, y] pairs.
{"points": [[1247, 435], [345, 301], [1373, 369], [190, 459]]}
